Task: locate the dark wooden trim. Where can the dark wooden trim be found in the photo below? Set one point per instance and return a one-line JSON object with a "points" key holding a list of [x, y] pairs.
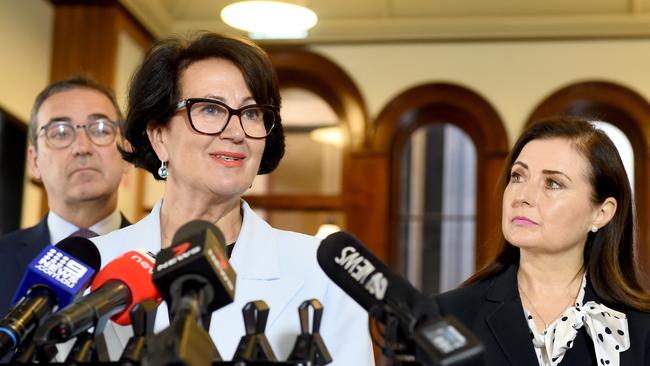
{"points": [[295, 202], [627, 110], [85, 41], [446, 103]]}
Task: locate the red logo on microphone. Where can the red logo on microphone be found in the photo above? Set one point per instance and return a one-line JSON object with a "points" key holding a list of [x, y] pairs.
{"points": [[223, 261], [180, 248]]}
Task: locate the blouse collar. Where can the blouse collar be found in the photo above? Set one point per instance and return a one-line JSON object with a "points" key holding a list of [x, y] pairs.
{"points": [[607, 328]]}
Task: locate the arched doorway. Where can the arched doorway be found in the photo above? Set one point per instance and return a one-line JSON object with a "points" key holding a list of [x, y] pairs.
{"points": [[448, 104], [301, 69]]}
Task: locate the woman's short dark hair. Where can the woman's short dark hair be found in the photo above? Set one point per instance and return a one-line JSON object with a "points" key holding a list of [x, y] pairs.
{"points": [[154, 91], [610, 253]]}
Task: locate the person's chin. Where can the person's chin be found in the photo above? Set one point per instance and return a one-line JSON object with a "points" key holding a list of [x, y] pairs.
{"points": [[522, 239], [89, 189], [85, 176]]}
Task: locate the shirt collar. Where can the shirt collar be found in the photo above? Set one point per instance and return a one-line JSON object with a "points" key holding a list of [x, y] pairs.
{"points": [[60, 228]]}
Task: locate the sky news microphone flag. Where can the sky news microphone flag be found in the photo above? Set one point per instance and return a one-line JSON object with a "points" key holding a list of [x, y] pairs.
{"points": [[386, 295]]}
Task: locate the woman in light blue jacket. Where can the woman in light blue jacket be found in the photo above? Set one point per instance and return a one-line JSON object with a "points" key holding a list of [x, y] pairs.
{"points": [[204, 116]]}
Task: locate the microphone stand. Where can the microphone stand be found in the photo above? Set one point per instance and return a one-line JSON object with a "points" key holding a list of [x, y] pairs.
{"points": [[396, 344], [91, 346], [309, 348], [254, 346], [30, 352], [143, 318], [185, 341]]}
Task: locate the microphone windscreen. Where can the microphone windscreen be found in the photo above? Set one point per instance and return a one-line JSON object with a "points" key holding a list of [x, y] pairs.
{"points": [[197, 252], [353, 268], [61, 271], [133, 268], [83, 250]]}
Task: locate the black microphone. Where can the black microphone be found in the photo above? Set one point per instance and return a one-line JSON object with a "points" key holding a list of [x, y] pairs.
{"points": [[387, 296], [53, 279], [195, 279]]}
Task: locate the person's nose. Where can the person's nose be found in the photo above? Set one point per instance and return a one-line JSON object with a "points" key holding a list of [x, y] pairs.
{"points": [[233, 130], [526, 194], [82, 144]]}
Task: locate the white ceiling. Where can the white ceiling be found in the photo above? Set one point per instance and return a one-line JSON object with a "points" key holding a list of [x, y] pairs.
{"points": [[412, 20]]}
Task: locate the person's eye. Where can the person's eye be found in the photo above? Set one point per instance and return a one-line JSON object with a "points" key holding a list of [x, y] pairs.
{"points": [[100, 128], [100, 131], [553, 184], [253, 114], [212, 110], [515, 177], [59, 132]]}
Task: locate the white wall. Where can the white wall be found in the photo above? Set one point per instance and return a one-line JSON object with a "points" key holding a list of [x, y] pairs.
{"points": [[513, 76]]}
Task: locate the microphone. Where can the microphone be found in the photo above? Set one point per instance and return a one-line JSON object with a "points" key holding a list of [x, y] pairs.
{"points": [[53, 279], [195, 278], [196, 265], [122, 283], [390, 299]]}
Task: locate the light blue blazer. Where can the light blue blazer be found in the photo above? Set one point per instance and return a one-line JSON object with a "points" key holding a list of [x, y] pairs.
{"points": [[273, 265]]}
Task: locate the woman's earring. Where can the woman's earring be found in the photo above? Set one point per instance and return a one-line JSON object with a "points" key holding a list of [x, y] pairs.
{"points": [[162, 171], [594, 228]]}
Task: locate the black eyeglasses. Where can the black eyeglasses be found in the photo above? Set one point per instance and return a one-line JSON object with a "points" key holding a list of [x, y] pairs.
{"points": [[211, 117], [61, 134]]}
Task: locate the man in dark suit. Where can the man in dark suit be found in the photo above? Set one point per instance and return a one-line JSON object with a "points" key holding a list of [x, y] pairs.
{"points": [[80, 170]]}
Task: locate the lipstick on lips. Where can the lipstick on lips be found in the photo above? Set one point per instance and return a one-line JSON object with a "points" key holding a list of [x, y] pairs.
{"points": [[228, 158], [523, 221]]}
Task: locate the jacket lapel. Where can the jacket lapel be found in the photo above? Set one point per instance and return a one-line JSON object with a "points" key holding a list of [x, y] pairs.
{"points": [[124, 222], [507, 322], [33, 241], [257, 260]]}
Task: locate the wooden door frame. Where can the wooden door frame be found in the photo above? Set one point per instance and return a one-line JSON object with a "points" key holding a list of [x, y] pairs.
{"points": [[458, 105]]}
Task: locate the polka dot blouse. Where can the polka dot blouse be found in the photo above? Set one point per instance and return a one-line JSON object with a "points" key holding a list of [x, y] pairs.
{"points": [[606, 327]]}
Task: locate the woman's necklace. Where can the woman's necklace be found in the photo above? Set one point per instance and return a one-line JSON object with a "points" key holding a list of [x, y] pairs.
{"points": [[532, 306]]}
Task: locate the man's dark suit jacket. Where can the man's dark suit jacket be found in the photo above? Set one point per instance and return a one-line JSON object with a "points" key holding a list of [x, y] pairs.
{"points": [[17, 249], [492, 310]]}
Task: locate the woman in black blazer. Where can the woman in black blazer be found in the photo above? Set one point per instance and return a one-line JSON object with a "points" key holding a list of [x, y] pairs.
{"points": [[564, 289]]}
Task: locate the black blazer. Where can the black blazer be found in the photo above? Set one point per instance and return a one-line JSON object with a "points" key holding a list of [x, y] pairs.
{"points": [[492, 310], [17, 249]]}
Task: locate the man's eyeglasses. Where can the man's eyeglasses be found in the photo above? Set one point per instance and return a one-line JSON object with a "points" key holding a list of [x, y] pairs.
{"points": [[210, 117], [61, 134]]}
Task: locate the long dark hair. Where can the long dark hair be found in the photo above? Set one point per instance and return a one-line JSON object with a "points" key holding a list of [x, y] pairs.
{"points": [[610, 253]]}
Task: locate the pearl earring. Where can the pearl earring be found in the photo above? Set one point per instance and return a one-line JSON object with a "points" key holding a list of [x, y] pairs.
{"points": [[594, 228], [162, 171]]}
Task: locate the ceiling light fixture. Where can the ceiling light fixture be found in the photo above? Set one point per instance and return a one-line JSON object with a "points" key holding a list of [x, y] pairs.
{"points": [[270, 19]]}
